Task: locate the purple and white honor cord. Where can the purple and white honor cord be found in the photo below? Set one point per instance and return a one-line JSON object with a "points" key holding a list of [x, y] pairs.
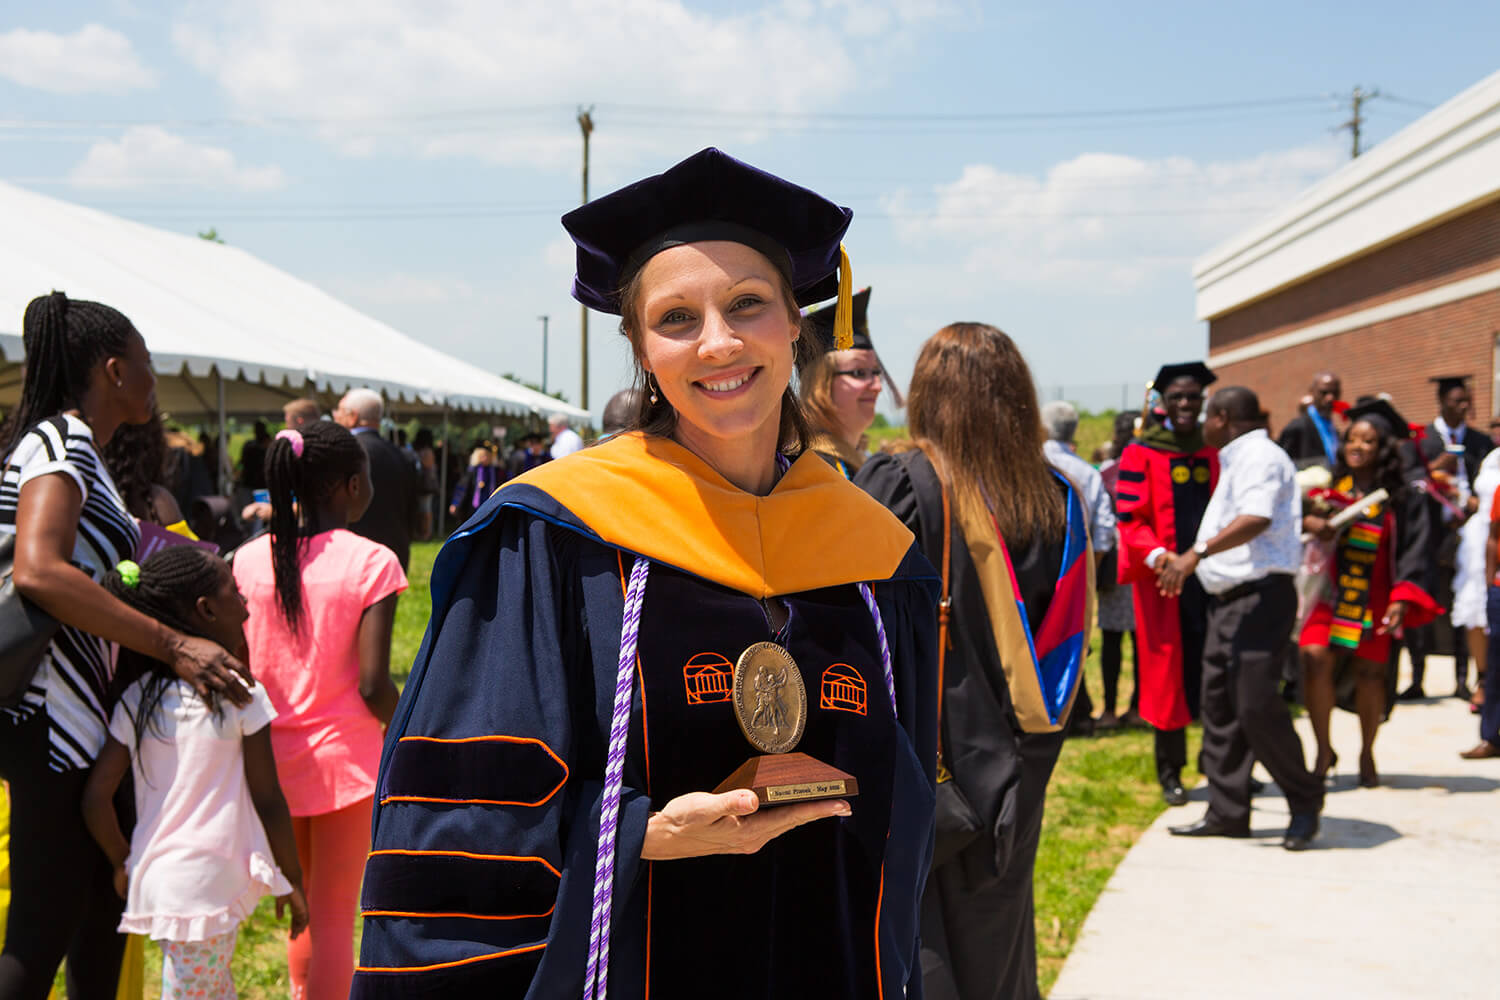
{"points": [[885, 645], [595, 979]]}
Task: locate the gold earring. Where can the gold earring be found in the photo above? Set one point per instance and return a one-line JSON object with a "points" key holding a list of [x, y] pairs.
{"points": [[652, 386]]}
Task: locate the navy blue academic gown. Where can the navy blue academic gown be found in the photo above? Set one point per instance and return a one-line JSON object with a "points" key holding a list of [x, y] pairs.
{"points": [[480, 882]]}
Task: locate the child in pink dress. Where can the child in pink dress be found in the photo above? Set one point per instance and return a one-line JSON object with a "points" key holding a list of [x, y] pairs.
{"points": [[212, 832], [322, 603]]}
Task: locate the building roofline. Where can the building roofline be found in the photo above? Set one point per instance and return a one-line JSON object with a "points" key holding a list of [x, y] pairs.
{"points": [[1444, 163]]}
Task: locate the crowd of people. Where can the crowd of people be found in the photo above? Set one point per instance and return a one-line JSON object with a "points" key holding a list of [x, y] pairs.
{"points": [[723, 690]]}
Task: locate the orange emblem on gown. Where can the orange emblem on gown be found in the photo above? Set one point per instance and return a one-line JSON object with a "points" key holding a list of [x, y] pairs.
{"points": [[843, 689], [708, 677]]}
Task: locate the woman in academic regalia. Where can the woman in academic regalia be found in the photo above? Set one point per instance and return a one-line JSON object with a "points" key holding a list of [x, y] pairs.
{"points": [[548, 821], [1378, 580], [839, 389], [1010, 533], [479, 480]]}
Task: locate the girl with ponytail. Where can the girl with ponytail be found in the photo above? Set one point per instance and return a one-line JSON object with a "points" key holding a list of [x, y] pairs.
{"points": [[322, 604], [87, 374], [213, 834]]}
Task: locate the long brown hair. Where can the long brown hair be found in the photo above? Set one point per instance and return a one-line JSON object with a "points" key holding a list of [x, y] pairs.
{"points": [[660, 419], [973, 407], [816, 394]]}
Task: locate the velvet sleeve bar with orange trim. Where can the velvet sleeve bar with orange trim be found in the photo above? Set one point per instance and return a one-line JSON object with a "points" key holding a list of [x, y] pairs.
{"points": [[488, 797]]}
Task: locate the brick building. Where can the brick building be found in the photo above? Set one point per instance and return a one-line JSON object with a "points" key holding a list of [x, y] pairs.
{"points": [[1387, 272]]}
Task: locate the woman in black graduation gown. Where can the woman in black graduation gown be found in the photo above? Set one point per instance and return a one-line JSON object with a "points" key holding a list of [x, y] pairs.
{"points": [[1379, 581], [1011, 533], [839, 389], [548, 824]]}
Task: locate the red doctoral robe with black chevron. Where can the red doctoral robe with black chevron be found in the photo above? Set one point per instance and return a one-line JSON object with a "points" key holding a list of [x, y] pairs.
{"points": [[1148, 521]]}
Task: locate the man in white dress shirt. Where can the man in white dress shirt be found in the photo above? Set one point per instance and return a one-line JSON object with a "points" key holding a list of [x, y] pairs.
{"points": [[1247, 553], [565, 440]]}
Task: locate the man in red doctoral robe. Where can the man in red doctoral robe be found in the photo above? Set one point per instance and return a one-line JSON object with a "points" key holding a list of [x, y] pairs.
{"points": [[1166, 478]]}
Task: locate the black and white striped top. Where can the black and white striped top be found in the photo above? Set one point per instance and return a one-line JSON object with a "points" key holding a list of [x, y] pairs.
{"points": [[72, 683]]}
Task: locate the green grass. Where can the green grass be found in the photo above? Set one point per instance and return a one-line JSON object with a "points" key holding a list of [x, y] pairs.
{"points": [[412, 611], [1093, 430], [1103, 794]]}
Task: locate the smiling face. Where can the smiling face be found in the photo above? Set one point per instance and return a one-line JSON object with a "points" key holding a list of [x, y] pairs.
{"points": [[717, 336], [855, 390], [1183, 399], [1361, 445]]}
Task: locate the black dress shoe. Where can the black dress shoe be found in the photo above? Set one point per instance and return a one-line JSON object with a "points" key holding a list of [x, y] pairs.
{"points": [[1173, 793], [1301, 831], [1206, 827], [1257, 787], [1413, 693], [1081, 725]]}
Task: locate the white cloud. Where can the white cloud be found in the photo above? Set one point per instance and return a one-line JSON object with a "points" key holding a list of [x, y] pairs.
{"points": [[148, 155], [1108, 219], [94, 59], [561, 255], [410, 75]]}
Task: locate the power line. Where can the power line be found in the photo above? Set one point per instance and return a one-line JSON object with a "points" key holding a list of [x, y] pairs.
{"points": [[659, 113], [1424, 105], [273, 216], [971, 117], [1024, 185]]}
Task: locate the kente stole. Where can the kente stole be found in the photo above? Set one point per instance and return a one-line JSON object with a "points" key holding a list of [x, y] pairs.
{"points": [[1357, 551]]}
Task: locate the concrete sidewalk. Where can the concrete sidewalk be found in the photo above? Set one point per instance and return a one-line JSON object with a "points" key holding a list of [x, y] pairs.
{"points": [[1395, 899]]}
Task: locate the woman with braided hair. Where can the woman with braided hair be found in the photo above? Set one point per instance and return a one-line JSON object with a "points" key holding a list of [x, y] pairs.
{"points": [[87, 374], [137, 459], [1378, 580], [213, 834], [322, 603]]}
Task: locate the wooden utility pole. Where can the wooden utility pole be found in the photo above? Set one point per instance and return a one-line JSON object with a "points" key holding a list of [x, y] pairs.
{"points": [[586, 125], [544, 320], [1356, 118]]}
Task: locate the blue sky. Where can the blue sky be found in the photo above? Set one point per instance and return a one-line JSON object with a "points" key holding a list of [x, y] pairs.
{"points": [[413, 158]]}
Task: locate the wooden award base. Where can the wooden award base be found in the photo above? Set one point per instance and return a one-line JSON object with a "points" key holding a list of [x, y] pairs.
{"points": [[777, 779]]}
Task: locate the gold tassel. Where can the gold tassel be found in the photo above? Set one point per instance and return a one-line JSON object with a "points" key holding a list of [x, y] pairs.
{"points": [[843, 316]]}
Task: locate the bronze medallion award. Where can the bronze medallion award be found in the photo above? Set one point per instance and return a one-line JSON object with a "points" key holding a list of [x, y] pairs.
{"points": [[770, 704]]}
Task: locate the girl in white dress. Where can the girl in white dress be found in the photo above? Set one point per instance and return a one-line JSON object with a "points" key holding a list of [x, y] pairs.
{"points": [[213, 834]]}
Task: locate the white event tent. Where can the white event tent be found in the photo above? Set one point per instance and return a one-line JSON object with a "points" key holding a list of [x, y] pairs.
{"points": [[228, 333]]}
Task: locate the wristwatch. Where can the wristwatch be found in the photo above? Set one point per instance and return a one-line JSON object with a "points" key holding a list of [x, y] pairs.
{"points": [[1201, 550]]}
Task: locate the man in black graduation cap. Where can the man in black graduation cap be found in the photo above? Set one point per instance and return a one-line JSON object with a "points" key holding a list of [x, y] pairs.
{"points": [[1167, 476], [1449, 434]]}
